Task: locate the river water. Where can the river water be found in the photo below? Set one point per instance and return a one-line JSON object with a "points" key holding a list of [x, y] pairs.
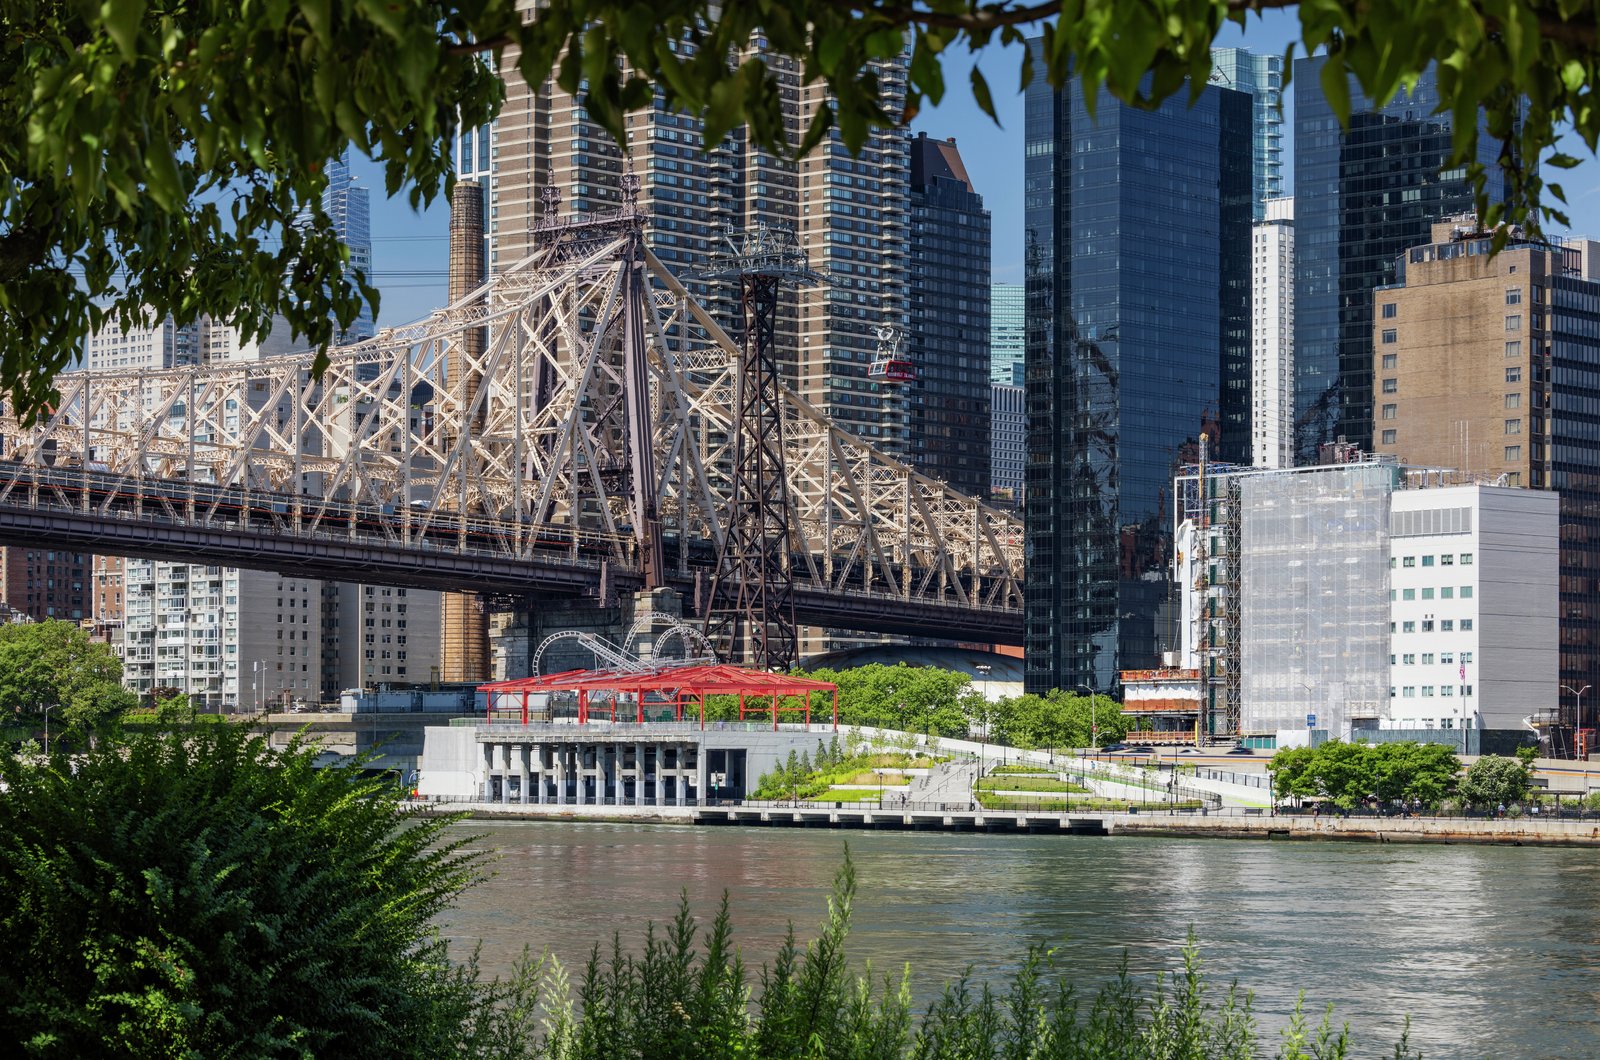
{"points": [[1493, 951]]}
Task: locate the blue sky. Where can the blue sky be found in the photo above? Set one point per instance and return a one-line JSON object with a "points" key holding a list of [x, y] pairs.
{"points": [[409, 249]]}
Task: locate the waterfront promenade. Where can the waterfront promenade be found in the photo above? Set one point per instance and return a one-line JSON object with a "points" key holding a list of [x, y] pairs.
{"points": [[1226, 824]]}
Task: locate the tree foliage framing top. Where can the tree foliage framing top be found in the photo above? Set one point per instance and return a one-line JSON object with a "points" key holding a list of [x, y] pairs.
{"points": [[160, 152]]}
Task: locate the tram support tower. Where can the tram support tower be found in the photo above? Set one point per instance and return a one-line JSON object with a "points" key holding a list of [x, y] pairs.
{"points": [[751, 611]]}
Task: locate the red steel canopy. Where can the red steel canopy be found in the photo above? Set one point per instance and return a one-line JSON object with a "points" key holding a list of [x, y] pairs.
{"points": [[681, 686]]}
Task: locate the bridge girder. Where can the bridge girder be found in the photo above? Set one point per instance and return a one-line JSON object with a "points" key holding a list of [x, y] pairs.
{"points": [[529, 462]]}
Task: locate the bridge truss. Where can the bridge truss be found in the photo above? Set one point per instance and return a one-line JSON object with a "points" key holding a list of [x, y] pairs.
{"points": [[577, 408]]}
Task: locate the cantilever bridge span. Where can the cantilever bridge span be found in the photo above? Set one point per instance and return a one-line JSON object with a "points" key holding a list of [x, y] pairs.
{"points": [[567, 428]]}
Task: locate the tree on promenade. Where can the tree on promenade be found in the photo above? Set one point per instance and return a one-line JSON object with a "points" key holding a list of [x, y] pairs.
{"points": [[164, 155], [920, 699], [195, 893], [1350, 773], [55, 665], [1057, 719], [1495, 780]]}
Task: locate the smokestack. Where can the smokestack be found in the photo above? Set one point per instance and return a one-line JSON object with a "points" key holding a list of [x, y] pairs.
{"points": [[464, 623]]}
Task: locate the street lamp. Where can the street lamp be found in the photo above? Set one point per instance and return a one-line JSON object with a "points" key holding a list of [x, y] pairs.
{"points": [[983, 694], [47, 711], [1094, 727], [1578, 694]]}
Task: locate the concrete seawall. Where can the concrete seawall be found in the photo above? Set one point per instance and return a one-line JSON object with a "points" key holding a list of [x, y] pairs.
{"points": [[1524, 831]]}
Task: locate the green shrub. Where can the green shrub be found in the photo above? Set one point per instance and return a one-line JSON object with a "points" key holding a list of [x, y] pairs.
{"points": [[1016, 783]]}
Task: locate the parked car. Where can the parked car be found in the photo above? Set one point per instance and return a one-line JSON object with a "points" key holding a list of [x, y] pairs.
{"points": [[1242, 751]]}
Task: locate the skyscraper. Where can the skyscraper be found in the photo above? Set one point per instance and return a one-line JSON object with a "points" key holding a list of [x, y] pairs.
{"points": [[1260, 75], [1488, 366], [949, 318], [349, 207], [1272, 337], [1008, 333], [1138, 339], [848, 212], [1362, 197]]}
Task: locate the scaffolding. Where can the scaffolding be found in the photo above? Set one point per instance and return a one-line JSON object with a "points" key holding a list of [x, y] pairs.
{"points": [[1207, 533]]}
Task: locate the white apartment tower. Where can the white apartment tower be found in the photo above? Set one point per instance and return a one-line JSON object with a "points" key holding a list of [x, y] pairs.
{"points": [[1272, 337]]}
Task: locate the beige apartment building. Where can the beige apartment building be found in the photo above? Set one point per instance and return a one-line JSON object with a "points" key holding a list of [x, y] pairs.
{"points": [[1487, 365], [1463, 349]]}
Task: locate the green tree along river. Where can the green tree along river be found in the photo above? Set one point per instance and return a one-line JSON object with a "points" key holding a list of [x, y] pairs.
{"points": [[1493, 952]]}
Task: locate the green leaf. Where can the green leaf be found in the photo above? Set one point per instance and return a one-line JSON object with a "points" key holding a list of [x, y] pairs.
{"points": [[980, 94], [121, 19]]}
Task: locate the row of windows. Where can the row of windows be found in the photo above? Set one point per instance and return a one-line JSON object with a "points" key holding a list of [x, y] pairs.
{"points": [[1445, 593], [1447, 658], [1446, 625], [1446, 559], [1410, 691]]}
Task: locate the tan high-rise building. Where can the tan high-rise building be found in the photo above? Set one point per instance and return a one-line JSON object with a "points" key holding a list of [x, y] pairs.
{"points": [[849, 213], [1486, 365]]}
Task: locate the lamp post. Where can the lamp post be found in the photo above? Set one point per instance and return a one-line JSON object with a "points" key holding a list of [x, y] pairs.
{"points": [[1094, 725], [1578, 694], [983, 693], [47, 711]]}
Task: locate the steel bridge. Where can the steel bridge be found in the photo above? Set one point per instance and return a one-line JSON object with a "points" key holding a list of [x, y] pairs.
{"points": [[567, 428]]}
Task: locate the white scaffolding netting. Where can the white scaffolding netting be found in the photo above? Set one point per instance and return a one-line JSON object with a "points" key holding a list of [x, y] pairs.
{"points": [[1314, 598]]}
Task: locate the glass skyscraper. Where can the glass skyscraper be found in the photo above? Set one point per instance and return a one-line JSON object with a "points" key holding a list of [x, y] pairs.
{"points": [[1261, 75], [1362, 197], [1008, 333], [1138, 340], [949, 319]]}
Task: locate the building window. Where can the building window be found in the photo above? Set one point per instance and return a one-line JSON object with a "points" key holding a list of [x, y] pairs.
{"points": [[1409, 691], [1466, 592], [1448, 592], [1388, 437], [1389, 310], [1391, 360], [1513, 454], [1409, 561], [1427, 691], [1427, 658], [1513, 349], [1466, 625], [1513, 426], [1390, 411], [1446, 625], [1427, 594], [1408, 627], [1390, 335], [1427, 561], [1514, 375], [1466, 559], [1427, 625], [1513, 296], [1466, 657], [1408, 594], [1391, 386], [1410, 660], [1514, 322], [1513, 401]]}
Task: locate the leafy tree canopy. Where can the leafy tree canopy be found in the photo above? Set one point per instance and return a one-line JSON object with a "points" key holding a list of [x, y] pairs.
{"points": [[196, 893], [1057, 719], [159, 153], [55, 664], [1494, 780], [1348, 773]]}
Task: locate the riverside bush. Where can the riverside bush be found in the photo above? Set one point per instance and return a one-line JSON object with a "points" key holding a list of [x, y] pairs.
{"points": [[690, 995]]}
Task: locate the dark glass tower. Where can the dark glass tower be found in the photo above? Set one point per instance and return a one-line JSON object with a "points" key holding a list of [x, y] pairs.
{"points": [[949, 319], [1138, 332], [1361, 197]]}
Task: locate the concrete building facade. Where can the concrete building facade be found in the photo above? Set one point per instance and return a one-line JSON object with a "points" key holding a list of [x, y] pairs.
{"points": [[1008, 443], [1473, 637], [1487, 365], [1272, 337]]}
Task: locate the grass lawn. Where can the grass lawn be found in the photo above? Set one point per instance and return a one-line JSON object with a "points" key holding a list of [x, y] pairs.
{"points": [[871, 777], [1021, 769], [1016, 783], [846, 795]]}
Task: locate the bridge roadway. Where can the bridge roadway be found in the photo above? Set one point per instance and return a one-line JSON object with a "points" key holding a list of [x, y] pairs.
{"points": [[365, 550]]}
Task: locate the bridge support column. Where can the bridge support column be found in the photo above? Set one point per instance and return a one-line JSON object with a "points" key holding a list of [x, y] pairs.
{"points": [[638, 774], [700, 777], [558, 757], [524, 772]]}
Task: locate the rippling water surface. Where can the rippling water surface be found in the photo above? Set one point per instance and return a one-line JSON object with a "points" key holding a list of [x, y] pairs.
{"points": [[1494, 952]]}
